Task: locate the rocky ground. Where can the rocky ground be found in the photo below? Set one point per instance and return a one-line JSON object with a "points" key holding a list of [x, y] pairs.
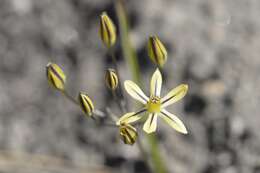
{"points": [[214, 46]]}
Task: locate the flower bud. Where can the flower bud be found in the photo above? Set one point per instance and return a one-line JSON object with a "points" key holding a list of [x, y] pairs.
{"points": [[111, 79], [86, 104], [157, 51], [55, 76], [107, 30], [128, 133]]}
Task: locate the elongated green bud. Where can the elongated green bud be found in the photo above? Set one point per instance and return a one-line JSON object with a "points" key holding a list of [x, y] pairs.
{"points": [[111, 79], [107, 30], [157, 51], [86, 104], [128, 134], [55, 76]]}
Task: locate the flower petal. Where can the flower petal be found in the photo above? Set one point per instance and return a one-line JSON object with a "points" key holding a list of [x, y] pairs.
{"points": [[174, 95], [151, 123], [135, 92], [173, 121], [156, 83], [130, 117], [128, 134]]}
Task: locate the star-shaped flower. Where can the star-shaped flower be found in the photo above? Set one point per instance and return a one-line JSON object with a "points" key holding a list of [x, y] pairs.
{"points": [[155, 105]]}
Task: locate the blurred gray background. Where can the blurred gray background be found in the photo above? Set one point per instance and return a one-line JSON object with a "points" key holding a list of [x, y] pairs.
{"points": [[214, 46]]}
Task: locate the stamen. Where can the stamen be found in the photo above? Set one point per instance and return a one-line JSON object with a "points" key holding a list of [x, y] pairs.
{"points": [[154, 104]]}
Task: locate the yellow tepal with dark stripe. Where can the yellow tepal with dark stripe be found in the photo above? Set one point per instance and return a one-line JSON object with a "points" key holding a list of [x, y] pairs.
{"points": [[107, 30], [128, 133], [156, 51], [55, 76], [86, 104], [111, 79]]}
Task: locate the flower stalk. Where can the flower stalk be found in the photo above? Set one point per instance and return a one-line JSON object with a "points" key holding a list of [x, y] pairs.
{"points": [[121, 101], [131, 59]]}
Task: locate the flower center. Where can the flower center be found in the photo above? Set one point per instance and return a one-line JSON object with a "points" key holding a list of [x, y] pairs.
{"points": [[154, 105]]}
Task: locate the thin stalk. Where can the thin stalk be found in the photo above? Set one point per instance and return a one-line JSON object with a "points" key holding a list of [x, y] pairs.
{"points": [[131, 58], [118, 101], [112, 116], [95, 112], [128, 51], [113, 57], [121, 101], [99, 113], [70, 98], [143, 152]]}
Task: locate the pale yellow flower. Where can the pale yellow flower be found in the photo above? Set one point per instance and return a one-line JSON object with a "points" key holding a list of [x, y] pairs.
{"points": [[155, 105]]}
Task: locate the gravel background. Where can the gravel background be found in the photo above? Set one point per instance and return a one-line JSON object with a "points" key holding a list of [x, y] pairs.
{"points": [[214, 46]]}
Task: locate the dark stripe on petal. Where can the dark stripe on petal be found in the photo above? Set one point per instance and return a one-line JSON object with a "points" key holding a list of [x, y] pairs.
{"points": [[82, 104], [139, 94], [110, 78], [108, 32], [114, 78], [89, 104], [167, 116], [56, 73], [139, 112], [154, 50], [171, 97], [129, 136], [52, 81], [160, 49], [152, 119], [168, 99]]}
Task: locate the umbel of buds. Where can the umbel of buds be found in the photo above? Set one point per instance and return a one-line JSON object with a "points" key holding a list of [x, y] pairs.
{"points": [[86, 104], [55, 76], [107, 30], [111, 79], [128, 133], [157, 51]]}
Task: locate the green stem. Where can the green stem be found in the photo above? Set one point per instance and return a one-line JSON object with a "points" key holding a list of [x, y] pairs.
{"points": [[131, 58], [143, 152], [128, 51]]}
